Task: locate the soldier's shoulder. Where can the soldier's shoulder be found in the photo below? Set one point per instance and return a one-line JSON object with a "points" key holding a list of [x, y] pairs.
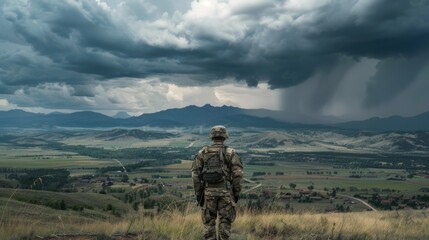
{"points": [[203, 149], [230, 150]]}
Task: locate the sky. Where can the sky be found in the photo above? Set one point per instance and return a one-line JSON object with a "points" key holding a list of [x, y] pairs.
{"points": [[313, 60]]}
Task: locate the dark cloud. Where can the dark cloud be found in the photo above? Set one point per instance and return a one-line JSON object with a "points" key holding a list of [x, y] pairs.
{"points": [[306, 101], [84, 37], [281, 42], [288, 55], [83, 91], [392, 77], [377, 29], [50, 96], [4, 89]]}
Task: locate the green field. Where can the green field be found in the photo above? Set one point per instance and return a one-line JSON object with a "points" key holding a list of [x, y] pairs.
{"points": [[36, 157], [372, 181], [296, 173]]}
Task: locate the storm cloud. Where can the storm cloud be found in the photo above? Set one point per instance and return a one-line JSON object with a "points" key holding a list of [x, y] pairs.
{"points": [[73, 46]]}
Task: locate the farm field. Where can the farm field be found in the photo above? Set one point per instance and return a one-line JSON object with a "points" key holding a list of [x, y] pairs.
{"points": [[37, 157], [296, 173]]}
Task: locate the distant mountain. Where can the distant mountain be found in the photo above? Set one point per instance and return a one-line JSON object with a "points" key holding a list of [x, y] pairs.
{"points": [[22, 119], [121, 115], [206, 115], [190, 115], [19, 118], [394, 123], [82, 119]]}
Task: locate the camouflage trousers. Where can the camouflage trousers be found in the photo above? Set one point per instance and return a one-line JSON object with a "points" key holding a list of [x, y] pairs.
{"points": [[222, 206]]}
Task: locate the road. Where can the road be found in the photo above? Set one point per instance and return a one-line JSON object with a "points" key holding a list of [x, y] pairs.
{"points": [[250, 181], [360, 200]]}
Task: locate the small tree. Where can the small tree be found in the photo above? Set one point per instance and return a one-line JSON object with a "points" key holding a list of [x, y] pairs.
{"points": [[136, 206], [311, 187], [62, 205], [125, 178], [109, 207], [292, 185]]}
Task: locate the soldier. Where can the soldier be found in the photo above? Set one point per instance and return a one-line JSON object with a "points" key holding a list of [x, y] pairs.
{"points": [[217, 172]]}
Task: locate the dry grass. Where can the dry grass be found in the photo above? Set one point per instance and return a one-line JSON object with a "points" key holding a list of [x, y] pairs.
{"points": [[366, 225], [186, 224]]}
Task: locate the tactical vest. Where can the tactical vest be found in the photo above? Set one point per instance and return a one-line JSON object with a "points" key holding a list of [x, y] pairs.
{"points": [[214, 164]]}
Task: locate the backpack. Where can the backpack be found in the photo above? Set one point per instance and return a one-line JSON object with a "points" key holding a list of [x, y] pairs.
{"points": [[213, 169]]}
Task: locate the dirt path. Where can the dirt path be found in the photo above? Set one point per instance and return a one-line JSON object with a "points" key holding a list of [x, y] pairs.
{"points": [[360, 200], [191, 144], [255, 187]]}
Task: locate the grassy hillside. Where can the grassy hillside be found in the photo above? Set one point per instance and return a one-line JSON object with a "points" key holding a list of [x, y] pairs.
{"points": [[89, 201], [20, 220], [29, 220]]}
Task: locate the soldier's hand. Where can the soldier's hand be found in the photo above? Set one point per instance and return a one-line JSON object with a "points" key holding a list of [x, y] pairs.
{"points": [[200, 200]]}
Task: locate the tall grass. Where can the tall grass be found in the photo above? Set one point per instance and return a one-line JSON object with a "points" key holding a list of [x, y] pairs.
{"points": [[185, 223], [364, 225], [279, 225]]}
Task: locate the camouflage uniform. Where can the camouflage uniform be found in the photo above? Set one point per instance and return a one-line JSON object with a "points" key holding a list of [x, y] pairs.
{"points": [[219, 198]]}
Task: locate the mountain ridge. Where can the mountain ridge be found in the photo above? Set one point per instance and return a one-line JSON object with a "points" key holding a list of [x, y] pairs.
{"points": [[206, 115], [393, 123]]}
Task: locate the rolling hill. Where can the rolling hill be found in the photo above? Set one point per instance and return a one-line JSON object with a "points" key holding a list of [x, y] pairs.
{"points": [[337, 141]]}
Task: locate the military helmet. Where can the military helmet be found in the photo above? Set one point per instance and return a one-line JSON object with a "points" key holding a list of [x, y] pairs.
{"points": [[219, 131]]}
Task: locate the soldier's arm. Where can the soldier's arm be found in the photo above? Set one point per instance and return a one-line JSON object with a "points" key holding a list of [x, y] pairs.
{"points": [[196, 168], [236, 173]]}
